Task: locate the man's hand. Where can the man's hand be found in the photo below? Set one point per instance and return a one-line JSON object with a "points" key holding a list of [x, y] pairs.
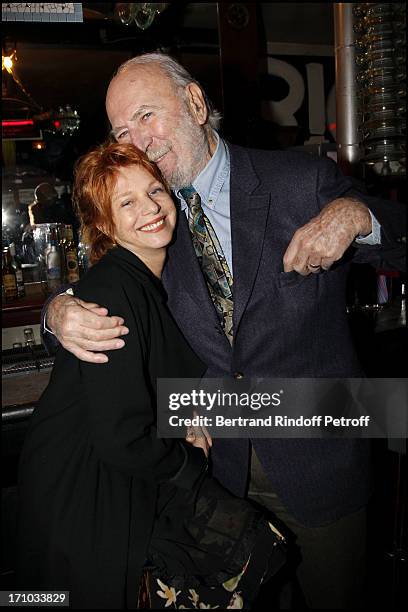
{"points": [[84, 328], [322, 241]]}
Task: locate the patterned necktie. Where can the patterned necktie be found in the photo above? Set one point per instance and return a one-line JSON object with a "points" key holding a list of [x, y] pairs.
{"points": [[211, 258]]}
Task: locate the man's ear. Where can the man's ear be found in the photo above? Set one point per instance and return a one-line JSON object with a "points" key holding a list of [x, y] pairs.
{"points": [[196, 102]]}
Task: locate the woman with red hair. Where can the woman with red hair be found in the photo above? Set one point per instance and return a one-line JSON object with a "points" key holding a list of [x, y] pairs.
{"points": [[109, 511]]}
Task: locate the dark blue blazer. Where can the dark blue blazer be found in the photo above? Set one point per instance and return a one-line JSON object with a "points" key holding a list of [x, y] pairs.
{"points": [[285, 325]]}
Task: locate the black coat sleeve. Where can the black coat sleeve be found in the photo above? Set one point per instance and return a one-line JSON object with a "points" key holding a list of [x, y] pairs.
{"points": [[119, 403], [332, 184]]}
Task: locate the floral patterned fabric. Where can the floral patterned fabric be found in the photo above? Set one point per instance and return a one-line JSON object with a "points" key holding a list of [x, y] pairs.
{"points": [[217, 556], [160, 595]]}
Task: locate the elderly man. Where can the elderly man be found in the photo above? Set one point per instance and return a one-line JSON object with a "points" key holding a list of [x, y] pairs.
{"points": [[275, 222]]}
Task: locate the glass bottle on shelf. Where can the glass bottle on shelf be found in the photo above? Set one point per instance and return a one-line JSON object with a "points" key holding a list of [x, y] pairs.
{"points": [[18, 270], [53, 262], [71, 256], [8, 277], [42, 236], [45, 240], [28, 246], [62, 240], [83, 260], [29, 336]]}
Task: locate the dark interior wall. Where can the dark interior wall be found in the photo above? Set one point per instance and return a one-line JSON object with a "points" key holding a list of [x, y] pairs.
{"points": [[299, 22], [72, 63], [57, 74], [78, 75]]}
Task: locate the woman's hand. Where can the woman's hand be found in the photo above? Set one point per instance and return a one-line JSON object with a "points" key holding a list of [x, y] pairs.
{"points": [[199, 436]]}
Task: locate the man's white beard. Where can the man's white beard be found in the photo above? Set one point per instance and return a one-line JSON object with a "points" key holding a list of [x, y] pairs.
{"points": [[195, 144]]}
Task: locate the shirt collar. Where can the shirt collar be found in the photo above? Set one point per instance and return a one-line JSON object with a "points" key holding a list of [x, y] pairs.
{"points": [[211, 179]]}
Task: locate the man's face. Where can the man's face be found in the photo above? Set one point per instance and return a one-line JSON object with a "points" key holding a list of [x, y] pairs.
{"points": [[145, 108]]}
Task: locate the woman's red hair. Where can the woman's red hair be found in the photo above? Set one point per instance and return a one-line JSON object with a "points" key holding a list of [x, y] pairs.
{"points": [[94, 183]]}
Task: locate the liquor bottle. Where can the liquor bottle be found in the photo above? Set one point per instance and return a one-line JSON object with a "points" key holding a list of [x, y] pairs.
{"points": [[47, 238], [15, 262], [71, 256], [9, 277], [42, 241], [53, 262], [83, 260], [29, 337], [28, 246], [62, 241]]}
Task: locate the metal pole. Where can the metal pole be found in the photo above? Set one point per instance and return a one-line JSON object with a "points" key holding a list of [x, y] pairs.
{"points": [[348, 147]]}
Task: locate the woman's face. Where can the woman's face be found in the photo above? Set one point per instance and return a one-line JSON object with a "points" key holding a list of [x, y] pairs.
{"points": [[144, 214]]}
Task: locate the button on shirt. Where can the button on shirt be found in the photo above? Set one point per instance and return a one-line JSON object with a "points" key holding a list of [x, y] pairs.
{"points": [[213, 187]]}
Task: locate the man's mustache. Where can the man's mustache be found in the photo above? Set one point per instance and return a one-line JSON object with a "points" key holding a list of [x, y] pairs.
{"points": [[158, 153]]}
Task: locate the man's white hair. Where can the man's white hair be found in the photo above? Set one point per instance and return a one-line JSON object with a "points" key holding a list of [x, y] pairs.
{"points": [[178, 74]]}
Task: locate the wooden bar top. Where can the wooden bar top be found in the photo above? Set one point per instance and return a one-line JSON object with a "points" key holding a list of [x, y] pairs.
{"points": [[24, 388], [25, 310]]}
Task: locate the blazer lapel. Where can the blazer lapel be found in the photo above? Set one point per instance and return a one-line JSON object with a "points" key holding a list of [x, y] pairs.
{"points": [[184, 264], [249, 214]]}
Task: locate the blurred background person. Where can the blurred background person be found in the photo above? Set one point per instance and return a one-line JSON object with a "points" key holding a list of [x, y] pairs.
{"points": [[49, 207]]}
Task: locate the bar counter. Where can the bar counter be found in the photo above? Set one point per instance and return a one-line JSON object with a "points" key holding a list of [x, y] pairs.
{"points": [[25, 310]]}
